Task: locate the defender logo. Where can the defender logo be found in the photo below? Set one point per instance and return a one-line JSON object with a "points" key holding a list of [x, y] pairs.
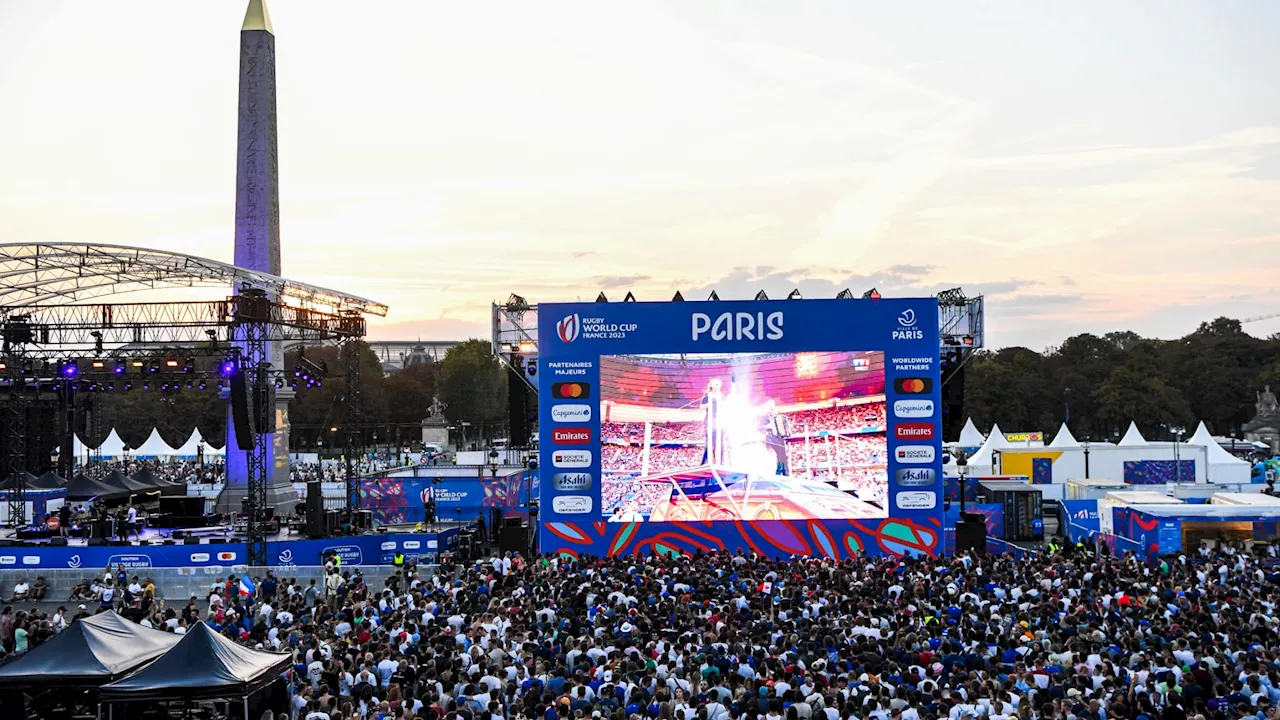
{"points": [[907, 329], [569, 328], [913, 408], [571, 413], [916, 476], [571, 436], [571, 505], [571, 459], [917, 500], [739, 326], [914, 454], [572, 482], [913, 431]]}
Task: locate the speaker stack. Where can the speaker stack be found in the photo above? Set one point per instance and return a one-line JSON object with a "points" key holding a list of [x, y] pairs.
{"points": [[971, 533], [514, 536]]}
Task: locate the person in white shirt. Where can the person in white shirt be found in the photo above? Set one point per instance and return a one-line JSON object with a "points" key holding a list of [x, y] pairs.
{"points": [[21, 590]]}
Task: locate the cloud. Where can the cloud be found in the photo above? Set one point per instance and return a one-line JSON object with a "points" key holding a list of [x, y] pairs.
{"points": [[611, 282]]}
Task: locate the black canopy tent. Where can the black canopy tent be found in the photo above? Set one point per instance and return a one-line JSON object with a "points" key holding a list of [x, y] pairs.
{"points": [[11, 481], [89, 653], [152, 481], [117, 479], [49, 481], [201, 666], [83, 487]]}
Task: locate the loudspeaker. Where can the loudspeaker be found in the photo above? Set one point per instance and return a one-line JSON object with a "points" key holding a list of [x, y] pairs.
{"points": [[953, 372], [517, 408], [495, 519], [514, 538], [57, 542], [971, 535], [97, 541], [241, 417], [179, 534], [190, 540], [315, 510]]}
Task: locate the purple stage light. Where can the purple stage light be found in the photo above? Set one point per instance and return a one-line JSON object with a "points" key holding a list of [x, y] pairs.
{"points": [[228, 368]]}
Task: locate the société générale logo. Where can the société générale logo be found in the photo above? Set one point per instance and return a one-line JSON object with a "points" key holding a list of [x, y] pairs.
{"points": [[907, 329]]}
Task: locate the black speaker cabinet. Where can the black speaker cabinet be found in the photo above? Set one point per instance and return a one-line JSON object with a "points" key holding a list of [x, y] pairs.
{"points": [[241, 413], [971, 535], [97, 541], [58, 542], [514, 538], [188, 540], [495, 519]]}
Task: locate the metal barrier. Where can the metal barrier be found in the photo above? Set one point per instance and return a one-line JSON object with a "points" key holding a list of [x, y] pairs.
{"points": [[180, 584]]}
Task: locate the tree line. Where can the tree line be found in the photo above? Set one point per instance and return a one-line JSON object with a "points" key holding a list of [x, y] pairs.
{"points": [[1101, 383]]}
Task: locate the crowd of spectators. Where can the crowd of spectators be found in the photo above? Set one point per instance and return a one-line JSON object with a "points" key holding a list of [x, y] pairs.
{"points": [[1066, 635]]}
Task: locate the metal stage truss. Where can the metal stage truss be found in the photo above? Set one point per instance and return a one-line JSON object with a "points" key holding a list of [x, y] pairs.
{"points": [[37, 333]]}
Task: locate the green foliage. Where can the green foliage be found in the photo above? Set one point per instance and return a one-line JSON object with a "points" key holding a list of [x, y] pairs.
{"points": [[1210, 375], [472, 384]]}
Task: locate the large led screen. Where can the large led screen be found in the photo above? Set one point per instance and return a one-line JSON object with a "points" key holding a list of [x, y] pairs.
{"points": [[746, 436]]}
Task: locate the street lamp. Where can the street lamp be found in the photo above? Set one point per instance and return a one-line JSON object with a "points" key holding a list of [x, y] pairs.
{"points": [[1085, 445], [493, 461], [1177, 457], [962, 466]]}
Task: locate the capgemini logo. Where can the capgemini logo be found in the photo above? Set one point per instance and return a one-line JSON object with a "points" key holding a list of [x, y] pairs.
{"points": [[73, 562], [569, 328]]}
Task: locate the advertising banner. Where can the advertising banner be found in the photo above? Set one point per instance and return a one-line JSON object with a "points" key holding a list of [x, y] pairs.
{"points": [[779, 427]]}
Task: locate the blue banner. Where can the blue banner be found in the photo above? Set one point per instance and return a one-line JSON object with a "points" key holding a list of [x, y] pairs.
{"points": [[1081, 517], [359, 550]]}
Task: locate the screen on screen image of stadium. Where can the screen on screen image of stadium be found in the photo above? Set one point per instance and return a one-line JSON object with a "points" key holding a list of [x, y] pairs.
{"points": [[747, 436]]}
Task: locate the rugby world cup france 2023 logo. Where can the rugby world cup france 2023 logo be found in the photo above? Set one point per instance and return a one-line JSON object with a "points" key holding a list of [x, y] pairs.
{"points": [[569, 328]]}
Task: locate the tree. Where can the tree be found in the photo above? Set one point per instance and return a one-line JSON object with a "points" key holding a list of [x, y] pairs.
{"points": [[472, 384], [1137, 392]]}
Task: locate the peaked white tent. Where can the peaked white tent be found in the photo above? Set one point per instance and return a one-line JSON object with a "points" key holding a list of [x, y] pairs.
{"points": [[191, 446], [155, 446], [1132, 437], [81, 450], [969, 435], [982, 461], [1224, 468], [113, 446], [1064, 438]]}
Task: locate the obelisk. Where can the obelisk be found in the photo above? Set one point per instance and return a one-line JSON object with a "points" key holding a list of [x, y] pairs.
{"points": [[258, 236]]}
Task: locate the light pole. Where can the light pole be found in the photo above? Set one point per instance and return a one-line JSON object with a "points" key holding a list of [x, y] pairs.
{"points": [[1085, 445], [1177, 457], [962, 466]]}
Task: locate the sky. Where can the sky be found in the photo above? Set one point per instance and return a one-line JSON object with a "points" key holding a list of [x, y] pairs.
{"points": [[1087, 166]]}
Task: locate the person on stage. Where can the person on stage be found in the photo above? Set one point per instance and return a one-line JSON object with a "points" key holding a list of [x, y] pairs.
{"points": [[712, 401], [777, 430]]}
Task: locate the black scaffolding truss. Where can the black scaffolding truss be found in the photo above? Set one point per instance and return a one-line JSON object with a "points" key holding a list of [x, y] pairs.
{"points": [[353, 443], [38, 341]]}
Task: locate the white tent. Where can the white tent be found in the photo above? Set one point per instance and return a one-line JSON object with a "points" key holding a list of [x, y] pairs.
{"points": [[969, 435], [155, 446], [191, 447], [1224, 468], [1132, 437], [1064, 439], [81, 450], [113, 446], [983, 460]]}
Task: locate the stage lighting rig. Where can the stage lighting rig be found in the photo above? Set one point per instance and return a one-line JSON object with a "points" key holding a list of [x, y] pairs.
{"points": [[308, 372], [762, 295], [845, 294], [872, 294]]}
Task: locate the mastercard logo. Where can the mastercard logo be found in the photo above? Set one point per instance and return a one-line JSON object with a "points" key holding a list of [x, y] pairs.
{"points": [[913, 386], [571, 390]]}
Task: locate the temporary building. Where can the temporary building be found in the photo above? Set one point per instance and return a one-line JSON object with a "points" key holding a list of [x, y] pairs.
{"points": [[150, 480], [1064, 438], [201, 666], [1224, 468], [113, 446], [90, 652], [1132, 437], [969, 435], [28, 481], [155, 446]]}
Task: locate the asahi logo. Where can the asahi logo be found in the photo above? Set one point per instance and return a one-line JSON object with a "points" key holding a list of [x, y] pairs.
{"points": [[738, 326], [572, 482]]}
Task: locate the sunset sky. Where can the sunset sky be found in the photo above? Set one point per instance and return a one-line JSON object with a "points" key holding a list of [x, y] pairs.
{"points": [[1089, 166]]}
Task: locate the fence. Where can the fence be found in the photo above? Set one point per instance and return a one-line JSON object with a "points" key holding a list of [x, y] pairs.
{"points": [[996, 546], [180, 584]]}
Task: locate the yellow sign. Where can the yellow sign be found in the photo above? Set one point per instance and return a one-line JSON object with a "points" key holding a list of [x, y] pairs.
{"points": [[1024, 437]]}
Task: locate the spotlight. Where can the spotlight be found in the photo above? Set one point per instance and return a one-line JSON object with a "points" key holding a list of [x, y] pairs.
{"points": [[154, 366], [171, 363], [119, 368], [137, 365], [532, 370], [227, 369], [98, 365], [527, 347], [97, 341], [190, 385], [111, 386], [188, 364], [202, 385], [69, 369], [3, 366], [27, 367], [146, 385], [128, 387]]}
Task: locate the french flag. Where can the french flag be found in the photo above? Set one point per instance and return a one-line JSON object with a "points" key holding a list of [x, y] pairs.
{"points": [[247, 588]]}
